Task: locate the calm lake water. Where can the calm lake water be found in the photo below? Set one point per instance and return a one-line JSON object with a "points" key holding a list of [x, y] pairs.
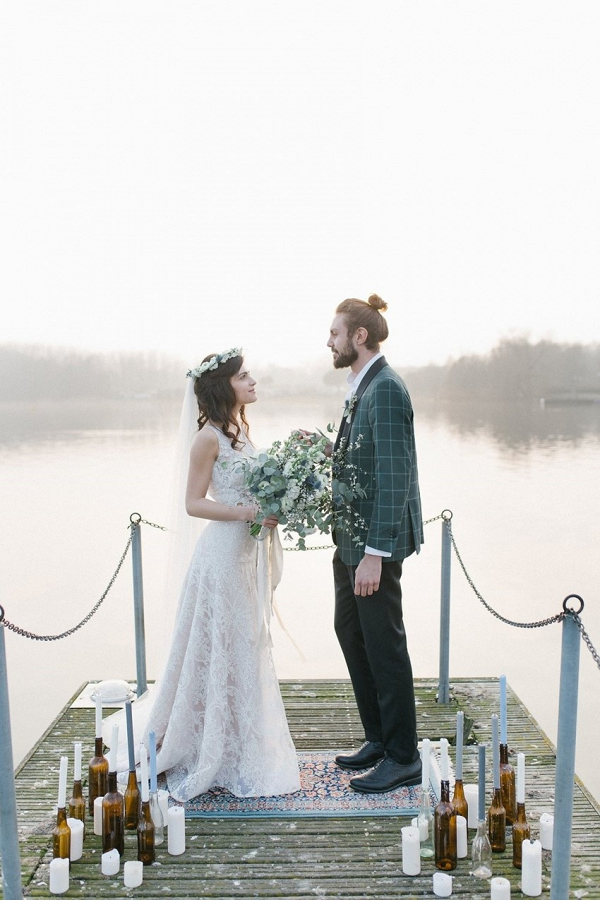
{"points": [[523, 484]]}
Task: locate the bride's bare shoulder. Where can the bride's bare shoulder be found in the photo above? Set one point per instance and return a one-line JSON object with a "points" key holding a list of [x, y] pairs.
{"points": [[205, 443]]}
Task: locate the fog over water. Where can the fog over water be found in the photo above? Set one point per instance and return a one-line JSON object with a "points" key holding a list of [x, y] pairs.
{"points": [[523, 483]]}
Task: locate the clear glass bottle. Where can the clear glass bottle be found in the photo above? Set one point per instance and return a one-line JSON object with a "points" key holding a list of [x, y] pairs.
{"points": [[497, 823], [145, 835], [61, 836], [425, 825], [444, 830], [520, 833], [132, 802], [481, 852], [459, 801], [113, 815], [97, 776], [507, 785], [159, 822]]}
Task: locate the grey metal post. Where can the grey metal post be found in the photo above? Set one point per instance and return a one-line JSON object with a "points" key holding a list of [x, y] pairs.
{"points": [[444, 679], [138, 602], [9, 836], [565, 754]]}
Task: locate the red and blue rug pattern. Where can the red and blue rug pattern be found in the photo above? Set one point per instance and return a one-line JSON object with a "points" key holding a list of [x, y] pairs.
{"points": [[324, 791]]}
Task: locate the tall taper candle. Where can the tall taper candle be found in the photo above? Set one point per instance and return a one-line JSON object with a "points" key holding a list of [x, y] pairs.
{"points": [[114, 743], [144, 774], [503, 709], [129, 716], [481, 796], [495, 752], [444, 761], [62, 783], [520, 778], [153, 782], [77, 766], [459, 744], [98, 716]]}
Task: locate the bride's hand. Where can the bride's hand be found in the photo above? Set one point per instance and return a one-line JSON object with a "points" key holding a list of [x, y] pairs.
{"points": [[270, 522]]}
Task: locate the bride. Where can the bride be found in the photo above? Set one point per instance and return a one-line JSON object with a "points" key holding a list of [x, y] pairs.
{"points": [[217, 710]]}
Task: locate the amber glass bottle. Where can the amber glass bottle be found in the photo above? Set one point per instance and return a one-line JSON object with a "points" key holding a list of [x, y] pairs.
{"points": [[497, 823], [97, 776], [77, 804], [507, 785], [61, 836], [520, 833], [444, 831], [459, 801], [113, 814], [132, 802], [145, 835]]}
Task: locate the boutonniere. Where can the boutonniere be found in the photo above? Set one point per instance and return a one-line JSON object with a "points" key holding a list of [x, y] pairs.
{"points": [[349, 408]]}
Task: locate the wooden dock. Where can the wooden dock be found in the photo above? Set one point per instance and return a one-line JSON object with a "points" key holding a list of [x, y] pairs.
{"points": [[353, 857]]}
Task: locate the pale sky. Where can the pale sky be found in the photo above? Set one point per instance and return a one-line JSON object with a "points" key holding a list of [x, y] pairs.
{"points": [[191, 176]]}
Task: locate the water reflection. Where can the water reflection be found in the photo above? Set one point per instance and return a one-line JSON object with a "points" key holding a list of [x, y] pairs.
{"points": [[517, 428]]}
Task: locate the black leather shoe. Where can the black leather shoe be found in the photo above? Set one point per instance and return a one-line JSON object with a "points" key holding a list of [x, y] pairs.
{"points": [[363, 758], [387, 776]]}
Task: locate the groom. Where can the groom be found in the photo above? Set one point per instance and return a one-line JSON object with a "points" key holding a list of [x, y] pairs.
{"points": [[376, 442]]}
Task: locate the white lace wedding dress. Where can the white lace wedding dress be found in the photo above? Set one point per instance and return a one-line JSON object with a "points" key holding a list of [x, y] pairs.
{"points": [[217, 710]]}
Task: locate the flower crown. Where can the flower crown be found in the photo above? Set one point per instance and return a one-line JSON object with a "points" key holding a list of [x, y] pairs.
{"points": [[214, 362]]}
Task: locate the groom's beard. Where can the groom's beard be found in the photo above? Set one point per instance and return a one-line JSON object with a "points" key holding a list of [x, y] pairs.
{"points": [[345, 357]]}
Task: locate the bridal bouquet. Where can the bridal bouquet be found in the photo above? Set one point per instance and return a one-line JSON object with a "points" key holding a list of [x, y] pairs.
{"points": [[294, 481]]}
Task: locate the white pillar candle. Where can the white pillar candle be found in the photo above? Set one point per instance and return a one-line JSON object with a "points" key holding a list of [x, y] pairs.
{"points": [[110, 862], [500, 889], [62, 783], [461, 837], [98, 815], [411, 851], [176, 819], [114, 743], [59, 876], [444, 761], [98, 700], [77, 766], [133, 873], [442, 884], [77, 829], [145, 790], [472, 798], [531, 872], [520, 778], [546, 830], [163, 802]]}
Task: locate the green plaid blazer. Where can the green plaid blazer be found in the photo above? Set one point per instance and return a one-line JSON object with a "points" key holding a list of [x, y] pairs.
{"points": [[382, 453]]}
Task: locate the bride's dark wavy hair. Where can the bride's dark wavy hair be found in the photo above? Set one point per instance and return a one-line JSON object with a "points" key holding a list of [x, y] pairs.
{"points": [[216, 399]]}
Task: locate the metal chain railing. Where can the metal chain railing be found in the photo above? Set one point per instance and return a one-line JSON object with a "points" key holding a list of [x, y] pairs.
{"points": [[135, 520], [551, 620]]}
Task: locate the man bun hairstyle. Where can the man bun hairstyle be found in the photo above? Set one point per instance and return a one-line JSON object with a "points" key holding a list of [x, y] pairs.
{"points": [[367, 315]]}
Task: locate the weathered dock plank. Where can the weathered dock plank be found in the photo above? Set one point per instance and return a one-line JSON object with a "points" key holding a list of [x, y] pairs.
{"points": [[354, 857]]}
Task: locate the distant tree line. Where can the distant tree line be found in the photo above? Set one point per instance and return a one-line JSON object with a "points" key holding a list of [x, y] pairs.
{"points": [[515, 370], [52, 373]]}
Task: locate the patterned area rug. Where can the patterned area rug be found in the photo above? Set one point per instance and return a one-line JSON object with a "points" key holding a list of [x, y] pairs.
{"points": [[324, 791]]}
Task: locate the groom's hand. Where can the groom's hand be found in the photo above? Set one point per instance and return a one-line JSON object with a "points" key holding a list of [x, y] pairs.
{"points": [[367, 576]]}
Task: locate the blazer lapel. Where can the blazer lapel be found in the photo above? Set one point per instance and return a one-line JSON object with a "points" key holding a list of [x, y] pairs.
{"points": [[366, 381]]}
